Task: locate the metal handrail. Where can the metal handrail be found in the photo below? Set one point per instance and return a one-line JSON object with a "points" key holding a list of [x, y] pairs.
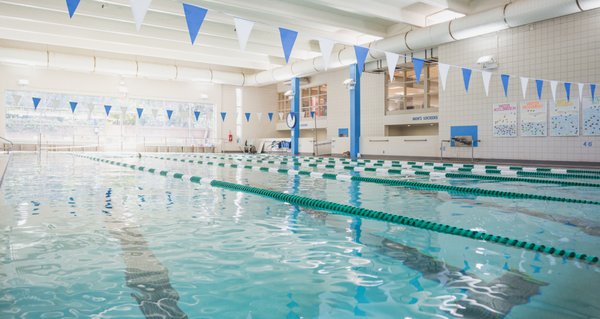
{"points": [[9, 142]]}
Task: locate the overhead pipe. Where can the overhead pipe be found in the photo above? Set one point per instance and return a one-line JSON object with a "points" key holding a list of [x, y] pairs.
{"points": [[513, 14]]}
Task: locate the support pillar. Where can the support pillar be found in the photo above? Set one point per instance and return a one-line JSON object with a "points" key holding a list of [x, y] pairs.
{"points": [[354, 112], [296, 113]]}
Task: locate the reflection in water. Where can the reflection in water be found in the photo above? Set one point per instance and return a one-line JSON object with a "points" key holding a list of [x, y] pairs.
{"points": [[144, 273], [482, 300]]}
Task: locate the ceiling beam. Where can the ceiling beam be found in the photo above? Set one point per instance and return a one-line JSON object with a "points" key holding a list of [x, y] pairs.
{"points": [[300, 17], [65, 36], [393, 13]]}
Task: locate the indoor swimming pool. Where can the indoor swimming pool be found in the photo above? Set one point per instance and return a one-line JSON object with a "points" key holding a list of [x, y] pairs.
{"points": [[99, 235]]}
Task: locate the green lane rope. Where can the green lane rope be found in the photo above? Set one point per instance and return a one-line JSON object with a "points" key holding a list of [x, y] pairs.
{"points": [[368, 213], [426, 173], [489, 169], [417, 185]]}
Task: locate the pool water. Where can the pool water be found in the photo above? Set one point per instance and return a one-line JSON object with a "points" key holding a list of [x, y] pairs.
{"points": [[83, 239]]}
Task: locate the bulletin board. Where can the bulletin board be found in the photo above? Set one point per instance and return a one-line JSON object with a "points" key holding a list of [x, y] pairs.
{"points": [[504, 120], [564, 117], [534, 118], [591, 116]]}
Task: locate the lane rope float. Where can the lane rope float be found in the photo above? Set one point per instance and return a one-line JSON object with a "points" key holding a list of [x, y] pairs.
{"points": [[401, 183], [439, 164], [476, 170], [392, 171], [361, 212]]}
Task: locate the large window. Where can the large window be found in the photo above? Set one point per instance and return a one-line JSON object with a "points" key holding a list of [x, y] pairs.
{"points": [[405, 95], [313, 99], [57, 124]]}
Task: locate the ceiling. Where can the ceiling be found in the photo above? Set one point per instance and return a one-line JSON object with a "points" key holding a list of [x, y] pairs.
{"points": [[107, 27]]}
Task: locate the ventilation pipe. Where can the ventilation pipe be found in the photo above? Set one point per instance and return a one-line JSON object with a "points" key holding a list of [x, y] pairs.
{"points": [[514, 14]]}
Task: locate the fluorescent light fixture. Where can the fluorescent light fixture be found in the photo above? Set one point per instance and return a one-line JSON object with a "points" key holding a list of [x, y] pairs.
{"points": [[442, 16]]}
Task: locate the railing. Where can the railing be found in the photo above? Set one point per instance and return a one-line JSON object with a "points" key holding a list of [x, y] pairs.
{"points": [[10, 144]]}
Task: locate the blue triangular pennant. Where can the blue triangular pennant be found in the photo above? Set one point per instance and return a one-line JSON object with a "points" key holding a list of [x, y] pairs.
{"points": [[72, 6], [593, 91], [139, 112], [539, 84], [361, 56], [107, 109], [73, 106], [418, 65], [36, 102], [197, 115], [169, 114], [288, 38], [312, 114], [466, 78], [505, 78], [194, 16], [568, 90], [270, 114], [247, 114], [223, 115]]}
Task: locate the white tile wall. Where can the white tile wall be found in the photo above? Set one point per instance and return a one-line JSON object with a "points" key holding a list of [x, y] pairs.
{"points": [[564, 49]]}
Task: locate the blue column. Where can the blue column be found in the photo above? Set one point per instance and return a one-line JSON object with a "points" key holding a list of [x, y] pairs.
{"points": [[296, 112], [355, 112]]}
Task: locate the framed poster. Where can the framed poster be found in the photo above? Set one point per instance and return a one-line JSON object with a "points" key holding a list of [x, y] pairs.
{"points": [[564, 117], [504, 120], [534, 120], [591, 116]]}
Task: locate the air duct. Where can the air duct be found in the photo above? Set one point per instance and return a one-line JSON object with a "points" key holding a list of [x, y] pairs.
{"points": [[514, 14]]}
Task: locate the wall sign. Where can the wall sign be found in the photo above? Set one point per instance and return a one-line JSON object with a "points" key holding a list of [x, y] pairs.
{"points": [[591, 117], [564, 117], [534, 120], [504, 120]]}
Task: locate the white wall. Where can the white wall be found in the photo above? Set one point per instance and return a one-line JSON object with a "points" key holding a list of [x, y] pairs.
{"points": [[564, 49]]}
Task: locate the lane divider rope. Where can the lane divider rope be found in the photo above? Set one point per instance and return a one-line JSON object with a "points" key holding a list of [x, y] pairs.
{"points": [[361, 212], [391, 171], [395, 182], [476, 170]]}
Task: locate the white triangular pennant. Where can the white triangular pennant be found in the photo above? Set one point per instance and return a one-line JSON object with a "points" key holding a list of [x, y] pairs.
{"points": [[580, 86], [90, 108], [139, 9], [243, 28], [326, 46], [280, 116], [443, 70], [123, 109], [524, 82], [486, 76], [553, 85], [259, 115], [154, 113], [391, 60]]}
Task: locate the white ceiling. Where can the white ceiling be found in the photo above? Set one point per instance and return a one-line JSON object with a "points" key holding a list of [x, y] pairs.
{"points": [[107, 27]]}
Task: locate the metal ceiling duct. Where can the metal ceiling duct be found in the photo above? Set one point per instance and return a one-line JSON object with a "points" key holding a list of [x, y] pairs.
{"points": [[514, 14]]}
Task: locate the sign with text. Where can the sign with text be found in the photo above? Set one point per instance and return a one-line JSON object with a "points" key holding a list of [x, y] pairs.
{"points": [[504, 119], [534, 120]]}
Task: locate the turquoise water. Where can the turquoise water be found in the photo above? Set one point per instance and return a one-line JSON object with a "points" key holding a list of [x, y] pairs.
{"points": [[82, 239]]}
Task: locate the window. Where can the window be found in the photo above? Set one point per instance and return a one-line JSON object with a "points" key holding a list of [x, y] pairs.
{"points": [[89, 124], [238, 111], [313, 99], [405, 95]]}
